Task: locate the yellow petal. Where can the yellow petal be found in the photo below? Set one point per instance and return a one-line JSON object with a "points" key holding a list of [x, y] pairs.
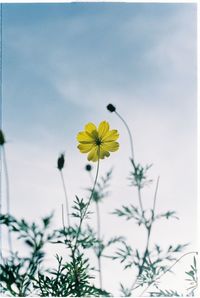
{"points": [[90, 127], [93, 155], [110, 146], [85, 148], [111, 136], [84, 138], [103, 153], [103, 128]]}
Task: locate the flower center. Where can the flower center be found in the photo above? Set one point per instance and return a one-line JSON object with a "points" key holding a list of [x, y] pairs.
{"points": [[98, 141]]}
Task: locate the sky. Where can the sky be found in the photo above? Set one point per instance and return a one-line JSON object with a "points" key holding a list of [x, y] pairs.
{"points": [[62, 64]]}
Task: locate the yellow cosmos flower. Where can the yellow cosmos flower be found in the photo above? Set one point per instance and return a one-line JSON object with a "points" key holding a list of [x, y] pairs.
{"points": [[98, 142]]}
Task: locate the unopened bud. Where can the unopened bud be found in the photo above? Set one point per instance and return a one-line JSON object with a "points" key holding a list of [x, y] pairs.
{"points": [[61, 162], [111, 108], [88, 167], [2, 138]]}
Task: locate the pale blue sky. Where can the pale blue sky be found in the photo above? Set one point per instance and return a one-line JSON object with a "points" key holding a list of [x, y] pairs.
{"points": [[62, 64]]}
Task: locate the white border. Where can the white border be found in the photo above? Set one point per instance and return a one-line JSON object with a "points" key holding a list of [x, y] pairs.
{"points": [[198, 73]]}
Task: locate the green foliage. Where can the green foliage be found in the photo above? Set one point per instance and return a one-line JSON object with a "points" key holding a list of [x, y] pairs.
{"points": [[192, 278], [17, 272], [68, 235], [167, 215], [69, 279], [101, 189], [138, 176], [125, 292], [79, 208], [131, 212]]}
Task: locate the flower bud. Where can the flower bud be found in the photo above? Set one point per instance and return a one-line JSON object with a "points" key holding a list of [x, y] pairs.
{"points": [[88, 167], [111, 108], [61, 162], [2, 138]]}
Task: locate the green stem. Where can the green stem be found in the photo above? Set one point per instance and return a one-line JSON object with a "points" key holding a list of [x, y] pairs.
{"points": [[63, 217], [140, 199], [99, 237], [7, 196], [130, 136], [149, 229], [66, 197], [73, 249], [132, 155], [86, 208]]}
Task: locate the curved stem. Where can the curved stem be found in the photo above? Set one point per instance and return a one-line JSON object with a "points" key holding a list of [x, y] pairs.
{"points": [[132, 156], [130, 136], [167, 270], [7, 195], [66, 198], [99, 235]]}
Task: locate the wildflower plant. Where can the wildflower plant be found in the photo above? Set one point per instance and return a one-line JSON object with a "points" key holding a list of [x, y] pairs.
{"points": [[151, 264], [74, 273]]}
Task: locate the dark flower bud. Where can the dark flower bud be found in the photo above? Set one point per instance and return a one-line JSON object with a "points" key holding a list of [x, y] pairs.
{"points": [[88, 167], [111, 108], [61, 162], [2, 138]]}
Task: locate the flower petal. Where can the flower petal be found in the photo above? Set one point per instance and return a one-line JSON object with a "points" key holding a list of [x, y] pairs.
{"points": [[90, 127], [111, 136], [103, 153], [84, 138], [93, 155], [110, 146], [85, 148], [103, 128]]}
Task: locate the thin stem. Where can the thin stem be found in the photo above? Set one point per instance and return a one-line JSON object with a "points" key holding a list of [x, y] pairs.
{"points": [[155, 196], [98, 221], [86, 207], [63, 217], [149, 229], [73, 250], [99, 235], [130, 136], [132, 155], [91, 177], [167, 270], [7, 195], [140, 199], [66, 197]]}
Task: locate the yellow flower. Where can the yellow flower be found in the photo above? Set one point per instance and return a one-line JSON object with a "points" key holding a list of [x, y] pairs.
{"points": [[98, 142]]}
